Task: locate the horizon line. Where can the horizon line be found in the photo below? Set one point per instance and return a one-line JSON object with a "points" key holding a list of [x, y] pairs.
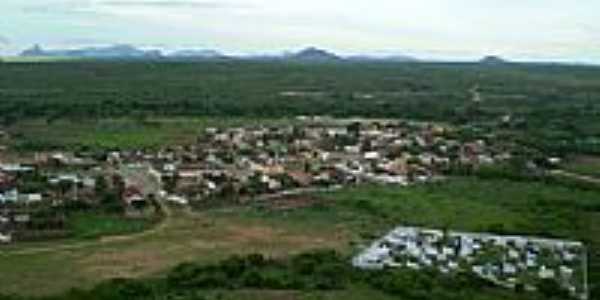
{"points": [[417, 55]]}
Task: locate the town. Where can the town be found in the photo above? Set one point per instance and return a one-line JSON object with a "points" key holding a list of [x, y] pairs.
{"points": [[233, 164], [241, 165], [516, 262]]}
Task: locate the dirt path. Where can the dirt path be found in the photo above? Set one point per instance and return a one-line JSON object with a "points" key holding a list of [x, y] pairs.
{"points": [[580, 177], [103, 241], [166, 223]]}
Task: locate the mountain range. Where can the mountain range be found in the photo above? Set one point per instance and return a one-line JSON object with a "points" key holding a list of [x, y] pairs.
{"points": [[310, 54]]}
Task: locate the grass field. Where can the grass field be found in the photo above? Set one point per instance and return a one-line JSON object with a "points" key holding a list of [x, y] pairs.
{"points": [[117, 133], [202, 237], [90, 226], [342, 220]]}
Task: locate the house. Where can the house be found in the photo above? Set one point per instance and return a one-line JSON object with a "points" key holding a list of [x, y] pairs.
{"points": [[554, 161], [6, 182], [272, 170], [22, 218], [509, 269], [274, 185], [189, 177], [15, 168], [133, 196], [177, 200], [30, 198], [352, 149], [72, 178], [303, 179], [5, 238], [9, 196], [89, 182], [372, 155], [546, 273]]}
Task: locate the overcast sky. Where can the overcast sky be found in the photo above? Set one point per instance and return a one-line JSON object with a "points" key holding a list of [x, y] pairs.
{"points": [[519, 29]]}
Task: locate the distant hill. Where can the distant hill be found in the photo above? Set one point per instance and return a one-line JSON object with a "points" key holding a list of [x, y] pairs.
{"points": [[116, 51], [493, 60], [313, 54], [36, 50]]}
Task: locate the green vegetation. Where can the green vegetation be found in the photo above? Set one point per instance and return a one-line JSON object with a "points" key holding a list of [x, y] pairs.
{"points": [[552, 107], [91, 226], [321, 271], [469, 204]]}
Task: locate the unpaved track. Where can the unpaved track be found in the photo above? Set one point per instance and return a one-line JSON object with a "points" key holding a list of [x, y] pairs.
{"points": [[585, 178], [103, 241], [166, 223]]}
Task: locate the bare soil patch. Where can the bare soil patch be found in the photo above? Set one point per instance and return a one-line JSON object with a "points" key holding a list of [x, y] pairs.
{"points": [[291, 202]]}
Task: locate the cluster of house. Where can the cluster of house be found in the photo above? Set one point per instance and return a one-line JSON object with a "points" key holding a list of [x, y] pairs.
{"points": [[261, 160], [25, 188], [509, 261], [244, 162], [8, 190]]}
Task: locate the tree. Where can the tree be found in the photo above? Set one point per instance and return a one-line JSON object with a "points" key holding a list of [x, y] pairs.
{"points": [[111, 203], [552, 290], [101, 186]]}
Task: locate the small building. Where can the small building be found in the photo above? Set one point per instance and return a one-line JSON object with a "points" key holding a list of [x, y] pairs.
{"points": [[133, 196]]}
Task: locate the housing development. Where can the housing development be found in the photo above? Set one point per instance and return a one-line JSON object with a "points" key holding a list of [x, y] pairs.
{"points": [[516, 262]]}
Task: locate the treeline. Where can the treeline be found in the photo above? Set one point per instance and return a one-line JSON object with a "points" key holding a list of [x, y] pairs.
{"points": [[432, 91], [315, 271], [100, 90]]}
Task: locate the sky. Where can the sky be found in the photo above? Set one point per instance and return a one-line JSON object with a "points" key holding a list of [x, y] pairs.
{"points": [[561, 30]]}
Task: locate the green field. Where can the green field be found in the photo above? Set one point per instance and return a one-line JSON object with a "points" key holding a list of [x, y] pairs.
{"points": [[342, 221], [90, 226], [123, 133]]}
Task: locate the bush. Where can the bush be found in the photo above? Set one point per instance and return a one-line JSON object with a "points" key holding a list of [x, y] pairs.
{"points": [[125, 289], [551, 290]]}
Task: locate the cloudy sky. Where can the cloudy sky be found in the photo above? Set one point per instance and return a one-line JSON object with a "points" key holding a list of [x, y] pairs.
{"points": [[518, 29]]}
